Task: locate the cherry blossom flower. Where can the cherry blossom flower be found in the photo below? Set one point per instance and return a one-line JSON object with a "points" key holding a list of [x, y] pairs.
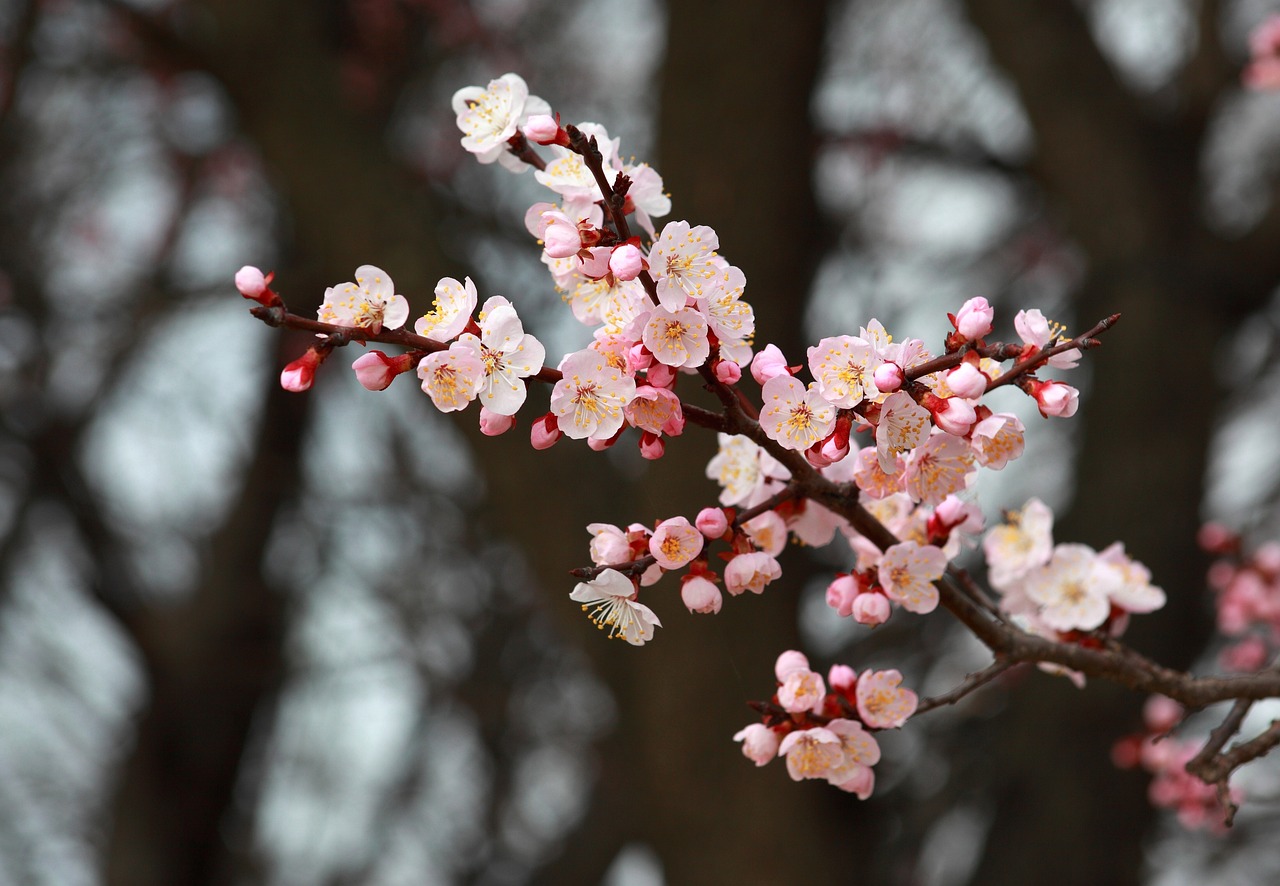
{"points": [[789, 661], [451, 378], [872, 479], [1022, 543], [369, 303], [252, 284], [768, 364], [299, 375], [545, 432], [712, 522], [1136, 593], [802, 690], [768, 531], [1263, 71], [681, 260], [907, 573], [699, 594], [973, 320], [997, 440], [646, 194], [731, 319], [904, 425], [450, 310], [609, 600], [811, 753], [742, 469], [860, 753], [375, 370], [967, 381], [675, 543], [888, 377], [627, 261], [493, 424], [507, 353], [794, 416], [589, 399], [1055, 399], [870, 609], [881, 703], [655, 410], [759, 743], [490, 115], [609, 545], [938, 468], [841, 593], [750, 572], [1037, 332], [843, 368], [677, 338], [1073, 589]]}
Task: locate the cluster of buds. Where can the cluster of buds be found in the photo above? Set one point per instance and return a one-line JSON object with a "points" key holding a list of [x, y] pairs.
{"points": [[1247, 588]]}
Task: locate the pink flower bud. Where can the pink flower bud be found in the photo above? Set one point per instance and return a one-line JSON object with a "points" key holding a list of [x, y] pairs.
{"points": [[953, 414], [1250, 654], [375, 370], [600, 444], [639, 358], [789, 662], [252, 283], [1162, 713], [841, 593], [759, 743], [967, 381], [842, 678], [627, 261], [700, 595], [542, 128], [561, 240], [1055, 399], [299, 374], [727, 372], [768, 364], [888, 377], [492, 424], [652, 446], [660, 375], [595, 262], [545, 432], [712, 522], [974, 318], [862, 783], [870, 609]]}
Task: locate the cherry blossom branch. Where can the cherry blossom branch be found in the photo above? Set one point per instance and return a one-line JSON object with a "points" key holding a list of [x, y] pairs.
{"points": [[971, 683]]}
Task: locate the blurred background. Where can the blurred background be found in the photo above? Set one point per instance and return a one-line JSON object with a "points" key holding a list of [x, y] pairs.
{"points": [[250, 637]]}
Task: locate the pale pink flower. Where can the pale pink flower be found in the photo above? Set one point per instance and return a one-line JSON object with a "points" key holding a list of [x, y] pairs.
{"points": [[967, 381], [974, 319], [907, 573], [870, 609], [728, 372], [861, 783], [712, 522], [1136, 593], [952, 414], [937, 468], [1019, 545], [842, 678], [731, 319], [450, 310], [490, 115], [542, 128], [904, 425], [609, 545], [872, 479], [677, 338], [560, 235], [493, 424], [647, 195], [589, 400], [1035, 330], [375, 370], [769, 364], [1073, 589], [750, 572], [768, 531], [700, 594], [451, 378], [811, 753], [675, 543], [655, 410], [997, 440], [882, 704], [1161, 713], [888, 377], [545, 432], [609, 600], [369, 303], [508, 354], [793, 415], [802, 690], [652, 446], [859, 752], [681, 261], [843, 368], [627, 261], [788, 662], [742, 469], [841, 593], [759, 743], [1055, 399]]}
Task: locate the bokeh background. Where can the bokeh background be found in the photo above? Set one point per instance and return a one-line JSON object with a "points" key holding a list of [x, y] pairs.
{"points": [[250, 637]]}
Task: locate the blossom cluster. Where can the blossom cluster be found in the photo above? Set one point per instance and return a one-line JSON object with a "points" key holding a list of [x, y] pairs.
{"points": [[826, 730], [1247, 594]]}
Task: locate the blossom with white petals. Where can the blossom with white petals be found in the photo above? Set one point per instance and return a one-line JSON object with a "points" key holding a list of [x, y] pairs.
{"points": [[1020, 544], [1136, 593], [904, 425], [589, 399], [509, 355], [677, 338], [609, 600], [742, 468], [452, 378], [750, 572], [844, 367], [802, 690], [490, 115], [937, 468], [882, 703], [675, 542], [369, 303], [568, 175], [449, 312], [1073, 589], [997, 440], [907, 573], [682, 260], [793, 415], [1035, 330]]}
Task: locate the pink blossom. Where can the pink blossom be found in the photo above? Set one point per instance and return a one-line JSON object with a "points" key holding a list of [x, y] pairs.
{"points": [[252, 283], [907, 573], [997, 440], [610, 546], [700, 594], [610, 602], [1073, 588], [881, 703], [727, 372], [493, 424], [677, 338], [490, 115], [974, 319], [1161, 713], [369, 303], [452, 378], [888, 377], [542, 128], [788, 662], [870, 609], [967, 381], [299, 375], [656, 410], [590, 397], [938, 468], [841, 594], [675, 543], [872, 479], [951, 414], [768, 531], [802, 690], [652, 446], [682, 260], [793, 415], [811, 753], [560, 237], [627, 261], [1019, 545], [1055, 399], [375, 370], [545, 432], [842, 368], [759, 743], [768, 364], [712, 522], [450, 310], [750, 572], [1037, 332], [904, 425]]}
